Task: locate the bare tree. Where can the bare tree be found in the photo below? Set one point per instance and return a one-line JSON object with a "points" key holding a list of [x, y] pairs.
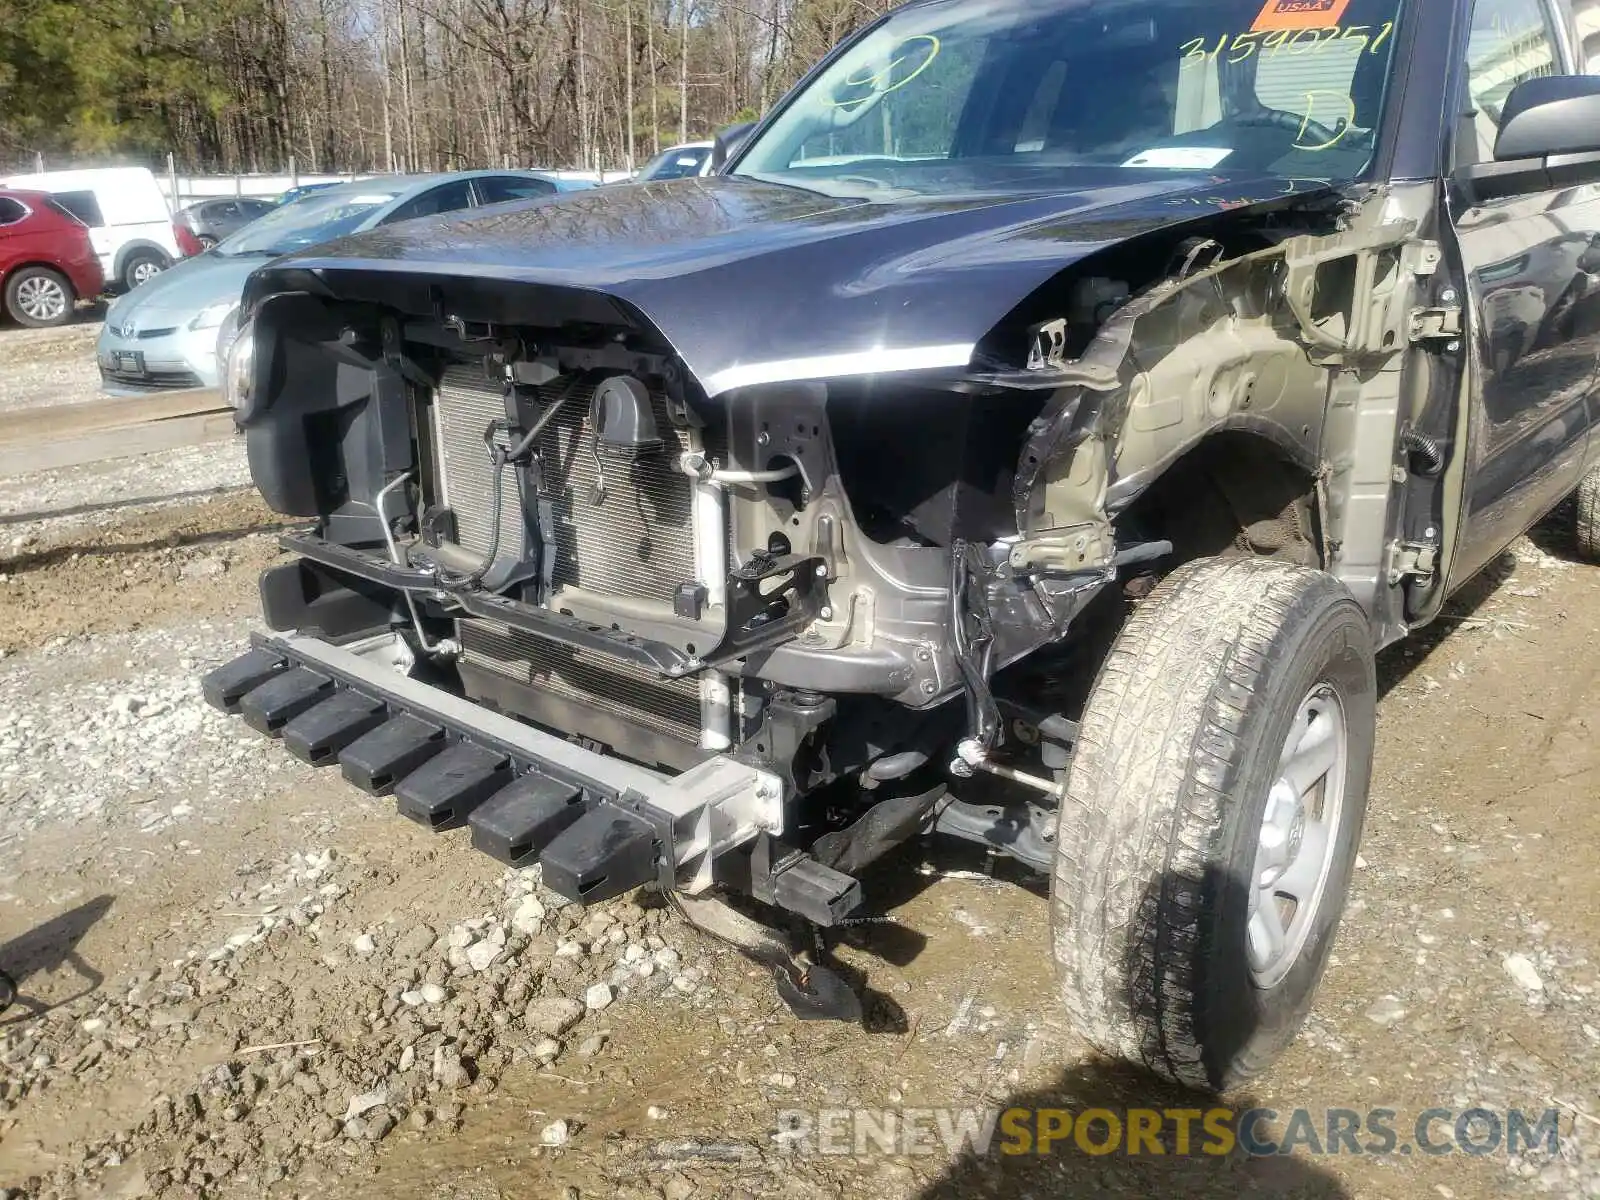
{"points": [[346, 85], [683, 75]]}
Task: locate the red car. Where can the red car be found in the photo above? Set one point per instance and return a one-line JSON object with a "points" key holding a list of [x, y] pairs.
{"points": [[47, 262]]}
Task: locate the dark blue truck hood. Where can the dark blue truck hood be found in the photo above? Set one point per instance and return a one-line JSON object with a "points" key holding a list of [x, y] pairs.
{"points": [[753, 281]]}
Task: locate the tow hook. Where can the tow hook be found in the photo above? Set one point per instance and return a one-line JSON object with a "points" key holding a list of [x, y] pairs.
{"points": [[812, 991]]}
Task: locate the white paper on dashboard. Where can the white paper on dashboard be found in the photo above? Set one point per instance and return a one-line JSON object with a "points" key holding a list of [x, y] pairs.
{"points": [[1180, 158]]}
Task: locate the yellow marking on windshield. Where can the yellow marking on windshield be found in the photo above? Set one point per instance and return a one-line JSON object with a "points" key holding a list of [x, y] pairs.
{"points": [[1340, 129], [1238, 47], [882, 81]]}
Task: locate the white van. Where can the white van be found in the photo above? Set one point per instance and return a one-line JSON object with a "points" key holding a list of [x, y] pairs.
{"points": [[129, 221]]}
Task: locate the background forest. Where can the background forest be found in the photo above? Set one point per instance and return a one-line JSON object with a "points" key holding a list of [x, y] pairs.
{"points": [[372, 85]]}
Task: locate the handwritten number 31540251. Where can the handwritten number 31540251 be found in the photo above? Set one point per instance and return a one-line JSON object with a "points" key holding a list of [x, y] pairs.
{"points": [[1237, 47]]}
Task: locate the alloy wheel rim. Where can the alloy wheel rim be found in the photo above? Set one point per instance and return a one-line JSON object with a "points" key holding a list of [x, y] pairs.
{"points": [[1299, 835], [145, 271], [42, 298]]}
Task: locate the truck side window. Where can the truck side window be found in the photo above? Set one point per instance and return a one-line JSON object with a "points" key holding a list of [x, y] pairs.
{"points": [[1510, 41]]}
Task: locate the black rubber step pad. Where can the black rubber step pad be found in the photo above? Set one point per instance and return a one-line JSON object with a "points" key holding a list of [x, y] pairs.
{"points": [[378, 760], [442, 793], [273, 704], [318, 734], [605, 852], [521, 819], [224, 687]]}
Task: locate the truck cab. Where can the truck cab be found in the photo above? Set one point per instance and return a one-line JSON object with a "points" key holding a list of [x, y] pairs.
{"points": [[1029, 435]]}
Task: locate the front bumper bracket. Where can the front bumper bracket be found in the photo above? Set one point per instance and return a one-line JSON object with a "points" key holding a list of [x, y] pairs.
{"points": [[598, 825]]}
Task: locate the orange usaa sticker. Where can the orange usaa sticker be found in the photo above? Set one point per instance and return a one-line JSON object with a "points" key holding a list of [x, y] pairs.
{"points": [[1299, 14]]}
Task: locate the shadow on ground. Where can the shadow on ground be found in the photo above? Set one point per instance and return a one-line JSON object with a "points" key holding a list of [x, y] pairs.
{"points": [[1397, 662], [98, 506], [55, 555], [1067, 1172], [1167, 950], [1552, 536], [45, 949]]}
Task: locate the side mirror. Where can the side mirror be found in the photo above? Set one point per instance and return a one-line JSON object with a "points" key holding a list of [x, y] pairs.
{"points": [[729, 142], [1549, 138], [1549, 115]]}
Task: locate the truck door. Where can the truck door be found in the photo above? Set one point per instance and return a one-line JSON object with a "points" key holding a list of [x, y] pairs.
{"points": [[1535, 303]]}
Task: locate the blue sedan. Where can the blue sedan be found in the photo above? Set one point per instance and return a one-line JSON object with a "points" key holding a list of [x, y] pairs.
{"points": [[164, 333]]}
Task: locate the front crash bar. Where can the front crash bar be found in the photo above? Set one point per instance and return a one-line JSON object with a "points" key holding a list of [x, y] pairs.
{"points": [[676, 827], [596, 825]]}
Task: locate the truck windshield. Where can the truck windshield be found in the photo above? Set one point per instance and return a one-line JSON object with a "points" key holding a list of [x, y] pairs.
{"points": [[952, 96]]}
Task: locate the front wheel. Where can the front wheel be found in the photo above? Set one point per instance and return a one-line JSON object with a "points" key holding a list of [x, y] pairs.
{"points": [[1212, 812], [1586, 531], [39, 298]]}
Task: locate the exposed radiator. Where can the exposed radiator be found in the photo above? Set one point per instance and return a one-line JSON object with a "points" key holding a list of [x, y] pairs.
{"points": [[466, 405], [637, 542]]}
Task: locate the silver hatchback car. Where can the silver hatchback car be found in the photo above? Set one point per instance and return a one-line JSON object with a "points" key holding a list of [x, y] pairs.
{"points": [[164, 334]]}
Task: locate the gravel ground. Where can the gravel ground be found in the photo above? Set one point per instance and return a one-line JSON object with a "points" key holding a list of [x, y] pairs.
{"points": [[98, 496], [42, 368], [242, 978], [46, 367]]}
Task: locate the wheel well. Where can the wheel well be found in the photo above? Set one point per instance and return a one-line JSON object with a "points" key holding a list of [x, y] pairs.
{"points": [[131, 248], [1235, 493]]}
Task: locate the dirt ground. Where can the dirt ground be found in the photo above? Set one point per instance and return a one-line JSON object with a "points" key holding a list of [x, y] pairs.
{"points": [[240, 977], [40, 367]]}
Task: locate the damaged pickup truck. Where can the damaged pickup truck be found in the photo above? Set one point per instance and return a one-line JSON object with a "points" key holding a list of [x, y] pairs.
{"points": [[1028, 435]]}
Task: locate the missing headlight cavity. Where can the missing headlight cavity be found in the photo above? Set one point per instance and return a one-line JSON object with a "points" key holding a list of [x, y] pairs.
{"points": [[1335, 288], [926, 467]]}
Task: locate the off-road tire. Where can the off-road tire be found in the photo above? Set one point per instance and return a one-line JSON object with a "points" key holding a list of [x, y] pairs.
{"points": [[1586, 527], [1164, 801], [33, 277]]}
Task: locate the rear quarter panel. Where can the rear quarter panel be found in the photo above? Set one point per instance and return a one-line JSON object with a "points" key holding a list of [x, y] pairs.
{"points": [[49, 239], [30, 241]]}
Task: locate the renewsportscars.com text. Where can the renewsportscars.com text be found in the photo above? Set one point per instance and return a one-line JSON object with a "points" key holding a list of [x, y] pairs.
{"points": [[1213, 1132]]}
